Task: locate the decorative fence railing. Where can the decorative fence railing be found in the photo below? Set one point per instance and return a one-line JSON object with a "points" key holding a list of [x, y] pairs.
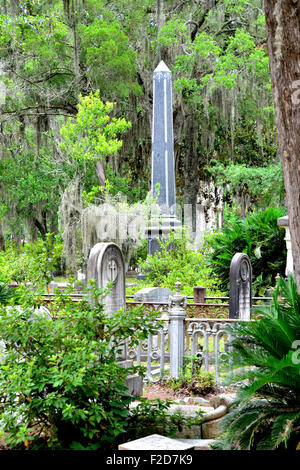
{"points": [[192, 335], [185, 342], [205, 343]]}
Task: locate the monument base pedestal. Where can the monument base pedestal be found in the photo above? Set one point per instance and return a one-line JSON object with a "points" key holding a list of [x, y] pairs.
{"points": [[133, 382], [160, 230]]}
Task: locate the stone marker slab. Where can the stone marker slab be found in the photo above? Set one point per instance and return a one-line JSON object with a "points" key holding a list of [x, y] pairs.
{"points": [[106, 264], [153, 294], [240, 296], [155, 442], [198, 444]]}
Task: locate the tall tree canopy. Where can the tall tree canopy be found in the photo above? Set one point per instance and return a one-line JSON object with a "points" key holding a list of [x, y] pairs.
{"points": [[53, 52]]}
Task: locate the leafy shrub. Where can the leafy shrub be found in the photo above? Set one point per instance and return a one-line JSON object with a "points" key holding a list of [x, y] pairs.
{"points": [[5, 293], [140, 254], [198, 383], [152, 417], [266, 412], [60, 384], [259, 237], [178, 260], [34, 262]]}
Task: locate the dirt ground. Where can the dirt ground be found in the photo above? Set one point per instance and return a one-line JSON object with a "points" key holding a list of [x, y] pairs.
{"points": [[163, 391]]}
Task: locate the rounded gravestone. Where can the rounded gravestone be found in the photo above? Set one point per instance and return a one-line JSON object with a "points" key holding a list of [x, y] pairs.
{"points": [[240, 296], [106, 265]]}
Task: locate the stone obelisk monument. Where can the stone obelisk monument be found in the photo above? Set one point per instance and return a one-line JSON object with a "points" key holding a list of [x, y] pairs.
{"points": [[163, 169]]}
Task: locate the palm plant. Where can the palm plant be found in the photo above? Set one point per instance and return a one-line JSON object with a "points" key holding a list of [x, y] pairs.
{"points": [[266, 411], [259, 237]]}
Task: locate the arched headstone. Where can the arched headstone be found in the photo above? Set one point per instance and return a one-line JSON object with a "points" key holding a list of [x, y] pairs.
{"points": [[240, 296], [106, 264]]}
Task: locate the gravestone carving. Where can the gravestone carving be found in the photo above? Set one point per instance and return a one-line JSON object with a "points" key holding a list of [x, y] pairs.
{"points": [[106, 264], [240, 296]]}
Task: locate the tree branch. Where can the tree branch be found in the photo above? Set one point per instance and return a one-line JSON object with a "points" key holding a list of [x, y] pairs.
{"points": [[202, 20]]}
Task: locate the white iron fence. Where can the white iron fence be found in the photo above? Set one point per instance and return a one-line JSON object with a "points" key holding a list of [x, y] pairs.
{"points": [[198, 343]]}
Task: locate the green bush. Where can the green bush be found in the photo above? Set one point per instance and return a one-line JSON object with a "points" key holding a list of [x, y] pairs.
{"points": [[266, 412], [197, 383], [60, 384], [152, 417], [5, 293], [178, 260], [34, 262], [260, 238]]}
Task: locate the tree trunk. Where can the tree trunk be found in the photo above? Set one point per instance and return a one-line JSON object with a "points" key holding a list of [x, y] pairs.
{"points": [[159, 14], [100, 170], [41, 228], [2, 242], [283, 30]]}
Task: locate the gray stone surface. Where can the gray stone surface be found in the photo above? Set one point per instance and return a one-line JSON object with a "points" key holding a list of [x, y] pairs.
{"points": [[155, 442], [163, 174], [222, 399], [163, 168], [283, 222], [106, 264], [153, 294], [210, 429], [215, 413], [134, 383], [240, 296], [189, 411], [195, 401], [199, 444]]}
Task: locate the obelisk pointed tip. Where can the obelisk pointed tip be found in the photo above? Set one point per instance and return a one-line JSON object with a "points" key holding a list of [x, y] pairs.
{"points": [[162, 67]]}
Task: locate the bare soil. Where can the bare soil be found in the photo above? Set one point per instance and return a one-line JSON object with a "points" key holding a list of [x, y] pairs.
{"points": [[163, 391]]}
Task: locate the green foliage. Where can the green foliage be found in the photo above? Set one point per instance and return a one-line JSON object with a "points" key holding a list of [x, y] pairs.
{"points": [[266, 411], [152, 417], [93, 134], [61, 386], [263, 185], [197, 383], [259, 237], [178, 260], [5, 293], [34, 262], [140, 254], [105, 42]]}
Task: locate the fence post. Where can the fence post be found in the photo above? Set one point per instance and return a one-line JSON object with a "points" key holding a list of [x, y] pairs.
{"points": [[199, 295], [177, 304]]}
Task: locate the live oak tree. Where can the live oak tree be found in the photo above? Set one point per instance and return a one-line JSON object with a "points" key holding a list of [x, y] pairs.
{"points": [[51, 52], [283, 29]]}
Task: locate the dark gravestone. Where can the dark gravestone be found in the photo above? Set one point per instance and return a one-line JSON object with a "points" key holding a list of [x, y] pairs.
{"points": [[240, 296]]}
